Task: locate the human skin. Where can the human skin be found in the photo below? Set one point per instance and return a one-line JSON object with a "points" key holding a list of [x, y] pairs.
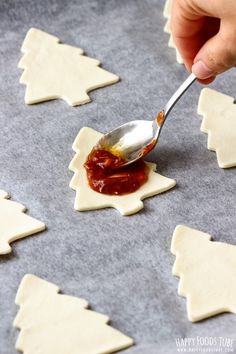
{"points": [[204, 32]]}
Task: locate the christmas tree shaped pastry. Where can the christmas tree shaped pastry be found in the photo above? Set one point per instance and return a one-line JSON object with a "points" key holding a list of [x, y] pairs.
{"points": [[167, 29], [14, 223], [56, 323], [53, 70], [207, 272], [88, 199], [219, 122]]}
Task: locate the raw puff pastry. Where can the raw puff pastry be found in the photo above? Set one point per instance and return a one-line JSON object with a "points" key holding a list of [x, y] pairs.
{"points": [[53, 70], [53, 323], [171, 44], [88, 199], [14, 223], [207, 272], [219, 122]]}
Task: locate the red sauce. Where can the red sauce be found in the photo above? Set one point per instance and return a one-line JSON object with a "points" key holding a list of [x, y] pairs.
{"points": [[148, 147], [160, 118], [105, 174]]}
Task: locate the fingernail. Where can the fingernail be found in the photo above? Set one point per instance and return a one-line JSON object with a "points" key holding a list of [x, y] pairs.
{"points": [[201, 70]]}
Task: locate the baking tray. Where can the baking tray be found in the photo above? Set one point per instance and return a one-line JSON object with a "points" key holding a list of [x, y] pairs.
{"points": [[121, 265]]}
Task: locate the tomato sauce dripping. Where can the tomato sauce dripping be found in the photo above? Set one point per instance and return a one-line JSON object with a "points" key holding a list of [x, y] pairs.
{"points": [[105, 174], [148, 147]]}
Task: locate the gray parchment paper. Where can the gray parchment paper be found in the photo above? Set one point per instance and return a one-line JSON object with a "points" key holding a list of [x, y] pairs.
{"points": [[121, 265]]}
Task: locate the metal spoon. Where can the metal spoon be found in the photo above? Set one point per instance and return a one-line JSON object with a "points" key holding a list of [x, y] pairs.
{"points": [[135, 139]]}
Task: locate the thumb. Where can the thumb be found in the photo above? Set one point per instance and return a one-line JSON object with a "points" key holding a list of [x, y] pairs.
{"points": [[217, 55]]}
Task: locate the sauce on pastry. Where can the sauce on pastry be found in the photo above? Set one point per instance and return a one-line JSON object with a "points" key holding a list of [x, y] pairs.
{"points": [[107, 176]]}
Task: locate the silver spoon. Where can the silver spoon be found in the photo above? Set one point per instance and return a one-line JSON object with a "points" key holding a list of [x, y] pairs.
{"points": [[135, 139]]}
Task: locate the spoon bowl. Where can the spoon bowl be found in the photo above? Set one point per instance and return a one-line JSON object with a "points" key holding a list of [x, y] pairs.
{"points": [[128, 140], [137, 138]]}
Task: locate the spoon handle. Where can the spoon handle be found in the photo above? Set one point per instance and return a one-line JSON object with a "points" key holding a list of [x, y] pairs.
{"points": [[176, 96]]}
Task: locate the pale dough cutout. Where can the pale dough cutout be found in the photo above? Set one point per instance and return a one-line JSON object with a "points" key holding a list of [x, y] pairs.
{"points": [[88, 199], [53, 70], [167, 29], [219, 122], [54, 323], [14, 223], [207, 272]]}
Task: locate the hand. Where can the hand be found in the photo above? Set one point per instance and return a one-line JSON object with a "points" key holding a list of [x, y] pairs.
{"points": [[204, 32]]}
